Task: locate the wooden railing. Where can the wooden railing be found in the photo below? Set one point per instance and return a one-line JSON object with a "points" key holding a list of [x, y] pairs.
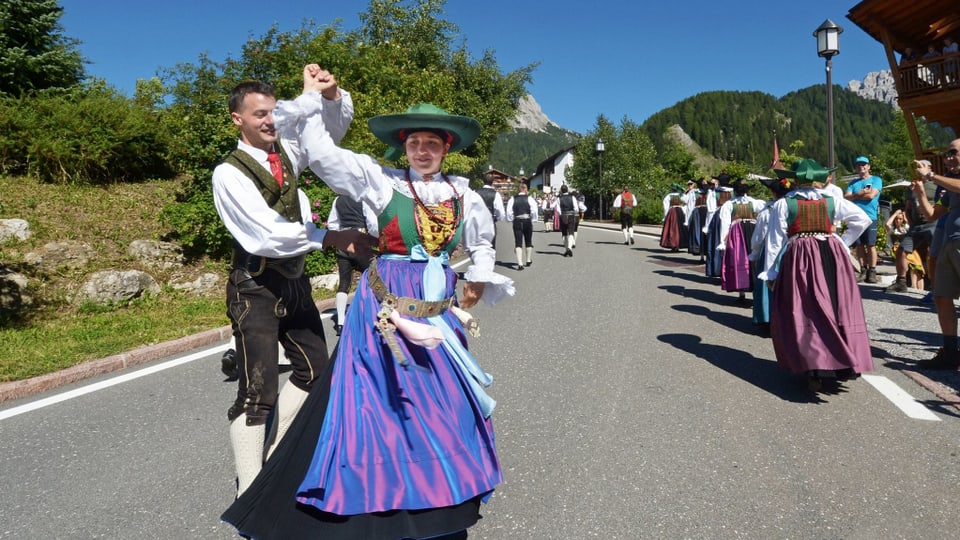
{"points": [[930, 75]]}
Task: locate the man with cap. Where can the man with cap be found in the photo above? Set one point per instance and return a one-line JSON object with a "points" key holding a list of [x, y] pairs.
{"points": [[817, 321], [672, 235], [865, 193], [522, 212], [626, 202], [396, 440]]}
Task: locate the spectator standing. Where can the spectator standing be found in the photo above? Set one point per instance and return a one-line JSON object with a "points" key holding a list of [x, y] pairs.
{"points": [[865, 193], [946, 279]]}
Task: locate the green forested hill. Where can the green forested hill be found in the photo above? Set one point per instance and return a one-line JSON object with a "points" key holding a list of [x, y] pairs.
{"points": [[740, 125], [527, 149]]}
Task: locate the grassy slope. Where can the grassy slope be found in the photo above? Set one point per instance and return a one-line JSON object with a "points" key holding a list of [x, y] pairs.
{"points": [[59, 334]]}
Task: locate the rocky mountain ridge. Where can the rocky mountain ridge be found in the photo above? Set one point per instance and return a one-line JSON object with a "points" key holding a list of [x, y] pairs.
{"points": [[876, 86]]}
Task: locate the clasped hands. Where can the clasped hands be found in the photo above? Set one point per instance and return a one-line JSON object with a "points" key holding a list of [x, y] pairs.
{"points": [[317, 79]]}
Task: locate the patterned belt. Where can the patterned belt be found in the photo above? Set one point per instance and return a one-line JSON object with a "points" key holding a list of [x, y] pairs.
{"points": [[522, 216], [390, 302]]}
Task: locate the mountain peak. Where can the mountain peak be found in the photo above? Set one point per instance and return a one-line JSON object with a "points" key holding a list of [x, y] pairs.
{"points": [[530, 117], [876, 86]]}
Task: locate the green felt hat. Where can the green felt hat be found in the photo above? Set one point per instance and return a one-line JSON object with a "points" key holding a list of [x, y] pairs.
{"points": [[394, 128], [806, 172]]}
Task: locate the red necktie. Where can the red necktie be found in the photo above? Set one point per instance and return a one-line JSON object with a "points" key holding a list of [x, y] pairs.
{"points": [[275, 167]]}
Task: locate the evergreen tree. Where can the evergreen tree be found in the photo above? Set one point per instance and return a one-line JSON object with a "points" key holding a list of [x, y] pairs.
{"points": [[34, 52]]}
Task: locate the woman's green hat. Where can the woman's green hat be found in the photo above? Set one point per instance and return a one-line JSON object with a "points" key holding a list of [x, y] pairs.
{"points": [[676, 187], [394, 128], [806, 172]]}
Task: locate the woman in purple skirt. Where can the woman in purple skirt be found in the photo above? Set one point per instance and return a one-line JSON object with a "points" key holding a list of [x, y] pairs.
{"points": [[816, 312], [738, 217], [396, 440]]}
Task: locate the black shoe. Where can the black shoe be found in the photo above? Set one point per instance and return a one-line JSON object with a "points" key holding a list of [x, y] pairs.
{"points": [[626, 243], [338, 328], [941, 361], [568, 253], [519, 268], [529, 263], [228, 364], [631, 241]]}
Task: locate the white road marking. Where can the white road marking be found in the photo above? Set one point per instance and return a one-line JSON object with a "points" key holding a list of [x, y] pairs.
{"points": [[39, 404], [903, 400]]}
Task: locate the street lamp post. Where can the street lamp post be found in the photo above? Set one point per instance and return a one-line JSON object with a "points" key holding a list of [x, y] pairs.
{"points": [[828, 45], [600, 150]]}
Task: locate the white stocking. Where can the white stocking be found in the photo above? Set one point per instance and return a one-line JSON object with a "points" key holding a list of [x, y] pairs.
{"points": [[288, 404], [247, 442]]}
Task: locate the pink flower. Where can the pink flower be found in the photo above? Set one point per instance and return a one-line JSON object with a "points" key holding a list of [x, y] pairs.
{"points": [[315, 217]]}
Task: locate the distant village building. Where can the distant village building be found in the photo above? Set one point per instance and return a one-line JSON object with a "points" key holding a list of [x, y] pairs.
{"points": [[505, 184], [552, 172]]}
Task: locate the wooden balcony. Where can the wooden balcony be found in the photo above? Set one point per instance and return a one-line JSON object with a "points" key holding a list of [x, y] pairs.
{"points": [[930, 87], [929, 76]]}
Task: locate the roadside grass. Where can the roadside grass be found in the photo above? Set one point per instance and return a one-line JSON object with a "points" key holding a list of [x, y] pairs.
{"points": [[50, 344], [56, 332]]}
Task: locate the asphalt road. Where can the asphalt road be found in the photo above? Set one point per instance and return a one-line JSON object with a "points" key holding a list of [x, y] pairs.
{"points": [[634, 401]]}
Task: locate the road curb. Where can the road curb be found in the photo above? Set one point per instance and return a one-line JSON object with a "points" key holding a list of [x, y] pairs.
{"points": [[142, 355], [935, 388]]}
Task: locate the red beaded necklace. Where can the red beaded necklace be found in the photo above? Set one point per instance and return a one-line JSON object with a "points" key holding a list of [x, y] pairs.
{"points": [[438, 219]]}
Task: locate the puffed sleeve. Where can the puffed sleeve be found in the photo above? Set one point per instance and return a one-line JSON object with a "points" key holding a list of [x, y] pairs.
{"points": [[478, 242]]}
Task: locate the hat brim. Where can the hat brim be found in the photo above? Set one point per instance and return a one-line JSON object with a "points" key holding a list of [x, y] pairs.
{"points": [[387, 127]]}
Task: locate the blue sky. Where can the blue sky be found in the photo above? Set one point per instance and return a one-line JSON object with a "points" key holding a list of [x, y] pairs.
{"points": [[616, 58]]}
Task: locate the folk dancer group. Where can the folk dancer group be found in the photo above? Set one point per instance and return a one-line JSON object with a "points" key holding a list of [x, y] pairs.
{"points": [[788, 253]]}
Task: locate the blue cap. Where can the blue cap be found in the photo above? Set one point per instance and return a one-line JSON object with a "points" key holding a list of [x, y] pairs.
{"points": [[862, 159]]}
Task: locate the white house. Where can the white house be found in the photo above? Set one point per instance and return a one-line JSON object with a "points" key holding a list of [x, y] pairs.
{"points": [[552, 172]]}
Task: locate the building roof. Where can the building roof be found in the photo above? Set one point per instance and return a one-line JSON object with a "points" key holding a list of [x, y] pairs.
{"points": [[916, 23], [898, 24]]}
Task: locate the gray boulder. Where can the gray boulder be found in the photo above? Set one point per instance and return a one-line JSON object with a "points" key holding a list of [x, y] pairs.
{"points": [[14, 229], [113, 287]]}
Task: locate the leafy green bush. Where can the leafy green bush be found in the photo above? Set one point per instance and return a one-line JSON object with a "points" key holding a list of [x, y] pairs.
{"points": [[84, 135]]}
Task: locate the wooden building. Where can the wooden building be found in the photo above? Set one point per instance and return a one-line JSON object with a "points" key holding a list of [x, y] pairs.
{"points": [[926, 87]]}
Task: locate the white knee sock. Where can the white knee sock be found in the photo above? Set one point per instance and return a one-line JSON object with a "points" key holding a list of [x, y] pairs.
{"points": [[626, 234], [631, 232], [288, 405], [247, 442], [341, 306], [575, 237], [519, 252], [529, 255]]}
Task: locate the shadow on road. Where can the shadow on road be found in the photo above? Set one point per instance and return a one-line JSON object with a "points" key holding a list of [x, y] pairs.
{"points": [[764, 374]]}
